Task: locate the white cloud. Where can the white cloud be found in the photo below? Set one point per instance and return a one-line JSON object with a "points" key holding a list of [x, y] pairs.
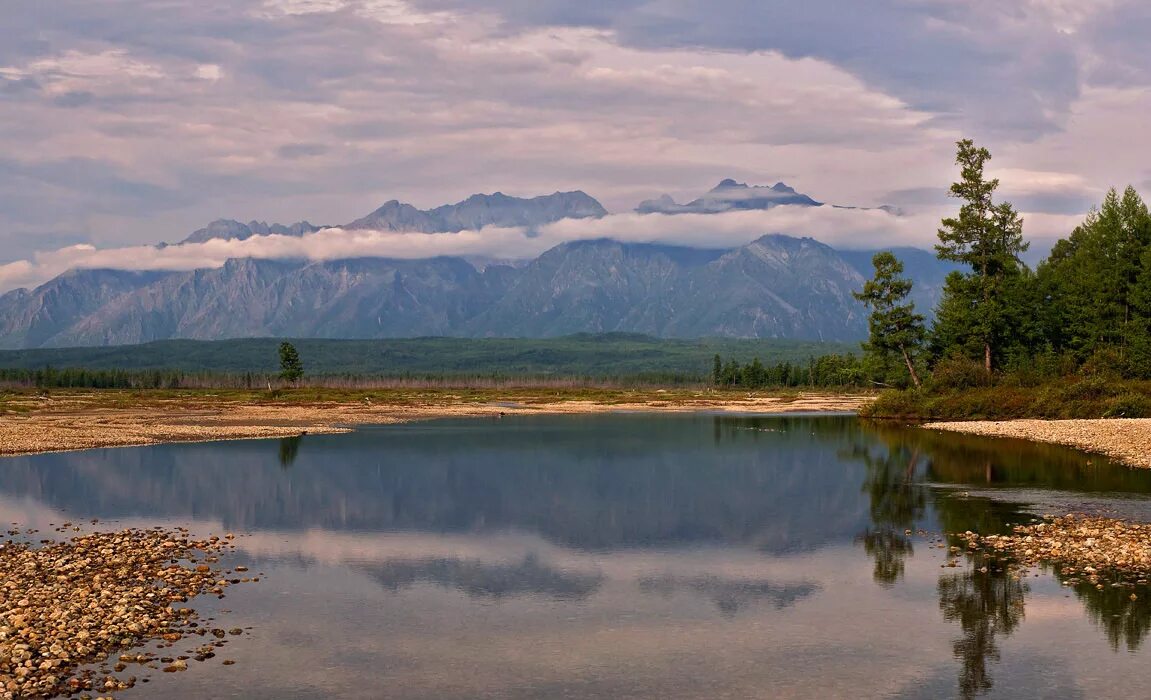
{"points": [[841, 228], [209, 71]]}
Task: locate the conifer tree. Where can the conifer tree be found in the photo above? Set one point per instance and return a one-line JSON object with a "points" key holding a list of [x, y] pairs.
{"points": [[291, 368], [1088, 281], [988, 238], [894, 325], [1140, 361]]}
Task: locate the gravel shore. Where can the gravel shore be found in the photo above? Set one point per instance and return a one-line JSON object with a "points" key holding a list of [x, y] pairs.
{"points": [[1125, 439], [83, 421], [70, 610], [1097, 550]]}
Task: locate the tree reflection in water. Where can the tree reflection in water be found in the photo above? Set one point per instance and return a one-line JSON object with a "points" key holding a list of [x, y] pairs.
{"points": [[289, 450], [896, 504], [1125, 622], [986, 605]]}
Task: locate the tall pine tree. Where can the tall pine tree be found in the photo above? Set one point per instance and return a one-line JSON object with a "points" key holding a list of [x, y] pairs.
{"points": [[988, 238]]}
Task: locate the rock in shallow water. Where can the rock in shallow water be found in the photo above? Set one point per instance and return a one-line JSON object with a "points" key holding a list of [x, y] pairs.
{"points": [[67, 604]]}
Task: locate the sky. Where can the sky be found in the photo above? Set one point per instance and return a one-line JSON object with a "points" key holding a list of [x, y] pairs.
{"points": [[128, 122]]}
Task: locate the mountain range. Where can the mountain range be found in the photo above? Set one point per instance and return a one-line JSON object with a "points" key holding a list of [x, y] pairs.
{"points": [[775, 287], [472, 214]]}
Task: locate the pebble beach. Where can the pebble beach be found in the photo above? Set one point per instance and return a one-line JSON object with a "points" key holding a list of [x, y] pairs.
{"points": [[75, 613], [1127, 440]]}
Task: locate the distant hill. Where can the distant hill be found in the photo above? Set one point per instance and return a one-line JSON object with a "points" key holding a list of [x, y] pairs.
{"points": [[606, 355]]}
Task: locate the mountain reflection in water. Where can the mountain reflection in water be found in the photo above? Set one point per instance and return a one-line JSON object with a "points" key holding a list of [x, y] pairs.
{"points": [[785, 552]]}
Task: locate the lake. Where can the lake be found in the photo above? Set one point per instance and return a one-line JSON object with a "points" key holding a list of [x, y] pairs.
{"points": [[623, 556]]}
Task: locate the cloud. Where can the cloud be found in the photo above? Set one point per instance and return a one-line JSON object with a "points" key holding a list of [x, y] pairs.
{"points": [[129, 122], [1006, 67], [842, 228]]}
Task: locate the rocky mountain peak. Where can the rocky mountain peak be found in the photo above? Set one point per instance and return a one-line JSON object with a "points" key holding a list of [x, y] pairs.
{"points": [[730, 195]]}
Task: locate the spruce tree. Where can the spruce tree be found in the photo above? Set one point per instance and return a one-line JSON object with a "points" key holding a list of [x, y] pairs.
{"points": [[291, 368]]}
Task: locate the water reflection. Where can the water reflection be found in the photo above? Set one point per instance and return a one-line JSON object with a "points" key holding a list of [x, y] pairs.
{"points": [[1126, 622], [985, 605], [765, 536], [897, 503], [984, 598], [289, 450], [730, 595], [479, 580]]}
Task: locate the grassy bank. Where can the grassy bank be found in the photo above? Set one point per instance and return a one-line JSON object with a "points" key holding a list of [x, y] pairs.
{"points": [[1072, 397]]}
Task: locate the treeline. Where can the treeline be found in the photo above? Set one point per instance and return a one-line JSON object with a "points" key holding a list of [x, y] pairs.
{"points": [[77, 378], [1084, 314], [1085, 309], [825, 371], [47, 378]]}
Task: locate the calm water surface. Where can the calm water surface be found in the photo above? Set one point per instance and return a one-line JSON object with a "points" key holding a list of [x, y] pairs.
{"points": [[623, 556]]}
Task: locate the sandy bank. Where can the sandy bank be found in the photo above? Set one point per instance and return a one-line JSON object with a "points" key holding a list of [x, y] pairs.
{"points": [[89, 420], [1125, 439]]}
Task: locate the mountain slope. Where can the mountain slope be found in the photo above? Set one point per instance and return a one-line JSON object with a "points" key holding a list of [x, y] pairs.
{"points": [[775, 287], [362, 298], [40, 317]]}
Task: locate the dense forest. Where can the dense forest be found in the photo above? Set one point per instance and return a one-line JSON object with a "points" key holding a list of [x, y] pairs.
{"points": [[1071, 337]]}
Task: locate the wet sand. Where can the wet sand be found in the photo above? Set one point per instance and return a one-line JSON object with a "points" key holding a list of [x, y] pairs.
{"points": [[1127, 440], [90, 420]]}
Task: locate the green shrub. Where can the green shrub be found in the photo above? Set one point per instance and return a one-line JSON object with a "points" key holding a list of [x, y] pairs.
{"points": [[958, 373], [1106, 363], [1129, 405]]}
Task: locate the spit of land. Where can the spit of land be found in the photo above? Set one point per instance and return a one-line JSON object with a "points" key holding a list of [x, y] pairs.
{"points": [[84, 419]]}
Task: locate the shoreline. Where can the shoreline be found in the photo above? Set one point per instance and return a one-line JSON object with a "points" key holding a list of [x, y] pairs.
{"points": [[1127, 440], [91, 420]]}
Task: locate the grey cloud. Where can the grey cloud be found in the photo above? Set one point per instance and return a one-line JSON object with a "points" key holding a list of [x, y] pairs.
{"points": [[74, 98], [980, 65], [22, 244], [918, 196], [17, 86], [100, 181], [1119, 36], [1056, 202], [292, 151]]}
